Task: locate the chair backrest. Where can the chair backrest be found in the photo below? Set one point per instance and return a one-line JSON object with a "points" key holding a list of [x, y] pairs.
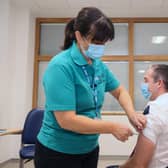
{"points": [[32, 126]]}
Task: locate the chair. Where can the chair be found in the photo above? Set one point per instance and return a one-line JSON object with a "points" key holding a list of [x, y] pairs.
{"points": [[31, 128]]}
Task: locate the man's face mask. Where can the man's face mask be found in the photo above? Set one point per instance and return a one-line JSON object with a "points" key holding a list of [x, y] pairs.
{"points": [[145, 90], [94, 51]]}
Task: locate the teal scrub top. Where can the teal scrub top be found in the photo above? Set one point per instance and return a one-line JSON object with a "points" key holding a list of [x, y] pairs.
{"points": [[67, 88]]}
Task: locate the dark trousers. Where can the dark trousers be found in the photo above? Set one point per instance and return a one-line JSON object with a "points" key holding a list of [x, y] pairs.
{"points": [[47, 158]]}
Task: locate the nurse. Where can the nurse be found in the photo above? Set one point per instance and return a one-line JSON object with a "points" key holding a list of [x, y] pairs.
{"points": [[75, 82]]}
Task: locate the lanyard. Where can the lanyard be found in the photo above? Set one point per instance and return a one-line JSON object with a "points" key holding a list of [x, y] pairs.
{"points": [[94, 89]]}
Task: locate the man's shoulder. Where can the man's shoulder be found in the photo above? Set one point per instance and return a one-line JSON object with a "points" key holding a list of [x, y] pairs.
{"points": [[161, 103], [158, 112]]}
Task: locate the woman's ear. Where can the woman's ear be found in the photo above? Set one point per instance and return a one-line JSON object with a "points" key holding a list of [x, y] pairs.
{"points": [[80, 40], [78, 37]]}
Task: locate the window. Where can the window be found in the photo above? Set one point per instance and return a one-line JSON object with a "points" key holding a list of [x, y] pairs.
{"points": [[138, 43]]}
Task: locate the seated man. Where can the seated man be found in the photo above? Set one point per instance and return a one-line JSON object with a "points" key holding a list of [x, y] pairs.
{"points": [[151, 150]]}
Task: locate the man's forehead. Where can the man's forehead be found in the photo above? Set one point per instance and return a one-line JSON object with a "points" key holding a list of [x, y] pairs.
{"points": [[149, 72]]}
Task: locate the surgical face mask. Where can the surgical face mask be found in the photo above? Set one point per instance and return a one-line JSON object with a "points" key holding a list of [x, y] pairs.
{"points": [[145, 90], [94, 51]]}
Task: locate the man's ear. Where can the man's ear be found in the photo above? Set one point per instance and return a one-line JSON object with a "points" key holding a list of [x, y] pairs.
{"points": [[160, 83]]}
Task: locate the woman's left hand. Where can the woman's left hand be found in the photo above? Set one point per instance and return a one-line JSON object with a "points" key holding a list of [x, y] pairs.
{"points": [[138, 120]]}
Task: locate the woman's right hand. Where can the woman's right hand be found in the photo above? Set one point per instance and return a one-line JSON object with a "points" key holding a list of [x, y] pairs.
{"points": [[122, 132]]}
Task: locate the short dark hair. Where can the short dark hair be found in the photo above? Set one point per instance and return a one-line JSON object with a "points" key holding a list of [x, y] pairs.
{"points": [[161, 72], [90, 21]]}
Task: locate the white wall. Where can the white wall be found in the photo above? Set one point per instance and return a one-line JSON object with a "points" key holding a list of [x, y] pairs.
{"points": [[5, 87], [16, 71]]}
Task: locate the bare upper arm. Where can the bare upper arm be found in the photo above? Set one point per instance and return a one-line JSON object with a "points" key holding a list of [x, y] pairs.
{"points": [[117, 91], [144, 151]]}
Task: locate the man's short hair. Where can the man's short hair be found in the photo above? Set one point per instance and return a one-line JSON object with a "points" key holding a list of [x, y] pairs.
{"points": [[161, 73]]}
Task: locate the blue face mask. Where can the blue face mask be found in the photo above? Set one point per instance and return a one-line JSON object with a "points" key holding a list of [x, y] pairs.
{"points": [[94, 51], [145, 90]]}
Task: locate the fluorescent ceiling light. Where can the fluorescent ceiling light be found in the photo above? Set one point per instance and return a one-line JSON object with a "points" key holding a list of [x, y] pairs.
{"points": [[158, 39], [141, 71]]}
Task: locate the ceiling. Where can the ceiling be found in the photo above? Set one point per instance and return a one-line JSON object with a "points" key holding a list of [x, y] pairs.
{"points": [[112, 8]]}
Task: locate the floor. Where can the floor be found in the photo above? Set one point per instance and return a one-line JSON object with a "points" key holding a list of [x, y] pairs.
{"points": [[103, 162]]}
